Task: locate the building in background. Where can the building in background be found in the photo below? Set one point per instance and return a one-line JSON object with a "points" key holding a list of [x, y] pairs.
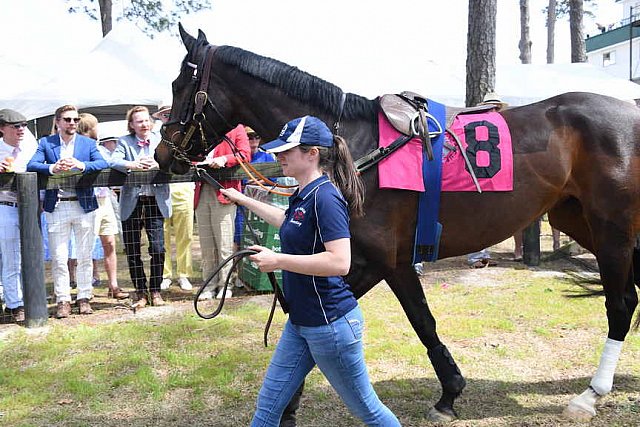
{"points": [[616, 49]]}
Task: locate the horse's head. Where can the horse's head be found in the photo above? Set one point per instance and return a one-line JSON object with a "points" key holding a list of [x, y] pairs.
{"points": [[196, 124]]}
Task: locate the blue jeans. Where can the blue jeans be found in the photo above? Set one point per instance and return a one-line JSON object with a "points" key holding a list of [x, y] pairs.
{"points": [[337, 350]]}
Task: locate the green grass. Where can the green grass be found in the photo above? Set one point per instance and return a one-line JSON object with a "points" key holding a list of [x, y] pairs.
{"points": [[524, 348]]}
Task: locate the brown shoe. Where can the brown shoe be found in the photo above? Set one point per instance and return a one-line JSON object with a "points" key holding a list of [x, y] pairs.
{"points": [[64, 309], [84, 307], [117, 293], [18, 314], [156, 299], [140, 300]]}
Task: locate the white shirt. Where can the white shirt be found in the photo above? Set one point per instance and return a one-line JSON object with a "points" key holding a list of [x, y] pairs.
{"points": [[102, 192], [22, 155], [66, 152]]}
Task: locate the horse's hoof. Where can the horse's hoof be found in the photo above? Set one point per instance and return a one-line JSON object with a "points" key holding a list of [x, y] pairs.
{"points": [[437, 416], [578, 413]]}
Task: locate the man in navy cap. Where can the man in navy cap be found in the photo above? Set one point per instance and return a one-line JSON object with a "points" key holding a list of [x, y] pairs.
{"points": [[15, 152]]}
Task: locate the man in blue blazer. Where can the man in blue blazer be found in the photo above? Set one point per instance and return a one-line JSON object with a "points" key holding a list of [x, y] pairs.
{"points": [[69, 210], [142, 205]]}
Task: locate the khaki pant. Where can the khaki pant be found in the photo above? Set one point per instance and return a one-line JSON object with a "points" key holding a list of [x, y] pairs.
{"points": [[215, 226], [181, 223]]}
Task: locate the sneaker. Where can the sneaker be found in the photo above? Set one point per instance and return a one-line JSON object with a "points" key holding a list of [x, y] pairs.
{"points": [[96, 282], [84, 307], [185, 284], [63, 309], [227, 294], [165, 284], [205, 295]]}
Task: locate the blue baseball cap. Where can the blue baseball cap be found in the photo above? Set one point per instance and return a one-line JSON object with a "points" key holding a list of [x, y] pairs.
{"points": [[307, 130]]}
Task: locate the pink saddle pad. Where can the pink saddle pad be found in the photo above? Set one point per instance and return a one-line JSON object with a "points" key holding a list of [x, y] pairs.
{"points": [[403, 168], [487, 142]]}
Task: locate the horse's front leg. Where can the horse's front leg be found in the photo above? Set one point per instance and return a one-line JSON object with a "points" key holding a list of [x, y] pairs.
{"points": [[406, 286], [621, 302]]}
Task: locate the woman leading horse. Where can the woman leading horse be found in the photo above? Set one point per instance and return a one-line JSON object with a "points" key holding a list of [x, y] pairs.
{"points": [[575, 156]]}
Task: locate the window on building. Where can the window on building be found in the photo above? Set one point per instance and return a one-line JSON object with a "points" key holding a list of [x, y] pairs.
{"points": [[608, 58]]}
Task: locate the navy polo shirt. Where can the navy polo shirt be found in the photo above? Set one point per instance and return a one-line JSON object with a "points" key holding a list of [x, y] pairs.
{"points": [[316, 215]]}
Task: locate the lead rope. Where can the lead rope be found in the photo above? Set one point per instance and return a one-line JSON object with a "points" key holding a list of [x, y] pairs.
{"points": [[236, 257]]}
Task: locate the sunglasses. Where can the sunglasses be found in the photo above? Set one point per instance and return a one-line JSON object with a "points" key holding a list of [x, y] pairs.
{"points": [[68, 119], [254, 137], [19, 125]]}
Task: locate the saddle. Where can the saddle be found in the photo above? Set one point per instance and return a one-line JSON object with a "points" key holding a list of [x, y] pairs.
{"points": [[408, 113]]}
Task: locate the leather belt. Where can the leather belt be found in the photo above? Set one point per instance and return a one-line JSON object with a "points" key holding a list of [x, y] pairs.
{"points": [[12, 204], [147, 198], [67, 199]]}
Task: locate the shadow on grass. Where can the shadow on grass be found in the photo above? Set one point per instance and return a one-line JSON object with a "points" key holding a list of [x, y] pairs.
{"points": [[484, 402], [489, 399]]}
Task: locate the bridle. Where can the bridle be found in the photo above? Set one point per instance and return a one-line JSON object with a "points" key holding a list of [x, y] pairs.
{"points": [[193, 117], [194, 120]]}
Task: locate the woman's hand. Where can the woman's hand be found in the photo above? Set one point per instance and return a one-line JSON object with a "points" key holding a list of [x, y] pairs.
{"points": [[265, 259], [233, 195]]}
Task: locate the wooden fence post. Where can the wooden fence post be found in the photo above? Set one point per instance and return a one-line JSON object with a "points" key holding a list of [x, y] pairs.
{"points": [[34, 291]]}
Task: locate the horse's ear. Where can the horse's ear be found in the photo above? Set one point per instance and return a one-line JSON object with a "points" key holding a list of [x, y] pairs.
{"points": [[187, 39], [202, 38]]}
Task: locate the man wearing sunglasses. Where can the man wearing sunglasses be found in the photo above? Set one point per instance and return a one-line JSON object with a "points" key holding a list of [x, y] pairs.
{"points": [[15, 152], [69, 210]]}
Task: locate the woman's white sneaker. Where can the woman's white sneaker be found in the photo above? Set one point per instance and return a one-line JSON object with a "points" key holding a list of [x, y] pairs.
{"points": [[185, 284], [165, 284], [228, 294]]}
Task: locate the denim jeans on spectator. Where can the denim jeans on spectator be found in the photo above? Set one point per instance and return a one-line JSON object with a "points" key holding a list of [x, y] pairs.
{"points": [[337, 350]]}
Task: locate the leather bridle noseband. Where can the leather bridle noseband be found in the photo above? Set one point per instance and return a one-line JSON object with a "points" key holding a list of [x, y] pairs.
{"points": [[194, 118]]}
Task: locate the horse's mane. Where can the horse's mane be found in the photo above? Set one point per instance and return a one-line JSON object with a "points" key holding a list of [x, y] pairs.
{"points": [[298, 84]]}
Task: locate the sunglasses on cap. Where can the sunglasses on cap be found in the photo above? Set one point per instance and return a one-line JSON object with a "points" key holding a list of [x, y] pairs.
{"points": [[68, 119], [18, 125]]}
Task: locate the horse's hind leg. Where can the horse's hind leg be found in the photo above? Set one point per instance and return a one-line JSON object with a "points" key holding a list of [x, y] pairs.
{"points": [[614, 254], [406, 286]]}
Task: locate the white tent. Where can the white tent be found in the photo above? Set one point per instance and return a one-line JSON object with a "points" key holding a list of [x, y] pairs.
{"points": [[522, 84], [516, 84], [125, 68]]}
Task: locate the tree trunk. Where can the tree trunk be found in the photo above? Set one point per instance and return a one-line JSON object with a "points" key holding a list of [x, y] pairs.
{"points": [[525, 38], [578, 48], [105, 16], [481, 50], [551, 31]]}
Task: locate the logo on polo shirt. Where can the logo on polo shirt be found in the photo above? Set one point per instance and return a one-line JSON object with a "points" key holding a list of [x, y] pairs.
{"points": [[298, 216]]}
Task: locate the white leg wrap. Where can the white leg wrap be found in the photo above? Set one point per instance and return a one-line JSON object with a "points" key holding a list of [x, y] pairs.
{"points": [[602, 381]]}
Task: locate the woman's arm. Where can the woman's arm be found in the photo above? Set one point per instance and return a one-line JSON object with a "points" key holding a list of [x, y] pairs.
{"points": [[334, 261], [271, 214]]}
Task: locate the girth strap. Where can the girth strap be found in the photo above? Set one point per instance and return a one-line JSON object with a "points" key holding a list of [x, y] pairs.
{"points": [[375, 156]]}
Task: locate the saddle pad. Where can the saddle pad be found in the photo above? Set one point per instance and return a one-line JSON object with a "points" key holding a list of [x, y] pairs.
{"points": [[487, 142], [402, 169]]}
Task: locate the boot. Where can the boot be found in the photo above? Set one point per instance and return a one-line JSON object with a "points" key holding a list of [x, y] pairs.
{"points": [[289, 415]]}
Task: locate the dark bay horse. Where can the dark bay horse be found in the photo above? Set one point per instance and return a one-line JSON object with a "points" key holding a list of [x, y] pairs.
{"points": [[576, 156]]}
